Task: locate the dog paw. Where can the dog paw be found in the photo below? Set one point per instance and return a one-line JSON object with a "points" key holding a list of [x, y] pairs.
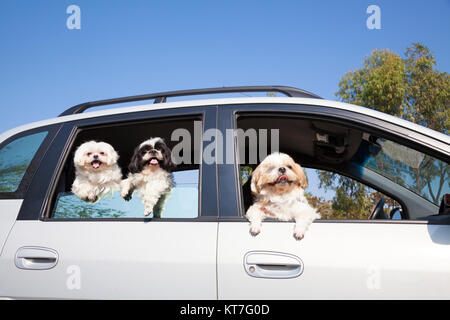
{"points": [[255, 230], [92, 198], [127, 197], [148, 211], [299, 234]]}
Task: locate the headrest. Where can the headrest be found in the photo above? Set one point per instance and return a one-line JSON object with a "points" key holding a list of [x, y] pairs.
{"points": [[444, 209]]}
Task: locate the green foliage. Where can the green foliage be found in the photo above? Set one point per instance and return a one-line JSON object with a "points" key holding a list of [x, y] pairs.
{"points": [[246, 172], [409, 88], [427, 101], [379, 84], [323, 207], [352, 199]]}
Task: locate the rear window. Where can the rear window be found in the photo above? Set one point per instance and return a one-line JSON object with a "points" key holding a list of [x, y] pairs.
{"points": [[15, 158]]}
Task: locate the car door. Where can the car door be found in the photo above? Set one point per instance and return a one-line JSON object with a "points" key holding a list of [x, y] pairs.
{"points": [[20, 155], [54, 250], [337, 259]]}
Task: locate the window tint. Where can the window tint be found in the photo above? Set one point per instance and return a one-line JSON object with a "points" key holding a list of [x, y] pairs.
{"points": [[182, 202], [15, 158], [424, 175]]}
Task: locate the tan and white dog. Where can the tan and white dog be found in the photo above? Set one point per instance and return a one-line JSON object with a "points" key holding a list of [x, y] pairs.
{"points": [[278, 185], [96, 171]]}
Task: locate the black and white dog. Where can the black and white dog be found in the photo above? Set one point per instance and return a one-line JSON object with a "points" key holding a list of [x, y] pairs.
{"points": [[150, 175]]}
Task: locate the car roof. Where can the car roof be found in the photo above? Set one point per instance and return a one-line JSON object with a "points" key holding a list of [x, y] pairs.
{"points": [[233, 101]]}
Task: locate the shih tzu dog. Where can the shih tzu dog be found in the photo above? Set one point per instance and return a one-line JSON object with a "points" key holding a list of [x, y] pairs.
{"points": [[150, 175], [277, 186], [96, 171]]}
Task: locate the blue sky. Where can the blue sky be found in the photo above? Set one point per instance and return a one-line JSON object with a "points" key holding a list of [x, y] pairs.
{"points": [[134, 47]]}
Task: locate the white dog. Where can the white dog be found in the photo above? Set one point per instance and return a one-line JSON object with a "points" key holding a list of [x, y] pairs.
{"points": [[150, 174], [96, 171], [278, 185]]}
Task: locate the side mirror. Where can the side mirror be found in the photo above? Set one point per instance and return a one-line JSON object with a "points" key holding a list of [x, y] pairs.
{"points": [[396, 214]]}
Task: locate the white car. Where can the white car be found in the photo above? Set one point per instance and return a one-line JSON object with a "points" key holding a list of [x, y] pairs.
{"points": [[54, 245]]}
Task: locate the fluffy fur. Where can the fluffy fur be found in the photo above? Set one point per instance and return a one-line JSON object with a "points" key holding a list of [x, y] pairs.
{"points": [[277, 186], [96, 171], [150, 175]]}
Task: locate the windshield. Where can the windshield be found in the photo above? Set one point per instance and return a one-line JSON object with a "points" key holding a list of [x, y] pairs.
{"points": [[416, 171]]}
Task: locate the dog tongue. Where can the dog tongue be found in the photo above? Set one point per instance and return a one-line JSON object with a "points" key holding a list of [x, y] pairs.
{"points": [[154, 161], [282, 178], [96, 165]]}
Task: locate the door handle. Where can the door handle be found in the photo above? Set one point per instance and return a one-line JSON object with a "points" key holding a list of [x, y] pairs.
{"points": [[35, 258], [276, 265]]}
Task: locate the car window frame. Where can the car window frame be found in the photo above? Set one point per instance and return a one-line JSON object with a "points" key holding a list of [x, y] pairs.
{"points": [[38, 202], [233, 210]]}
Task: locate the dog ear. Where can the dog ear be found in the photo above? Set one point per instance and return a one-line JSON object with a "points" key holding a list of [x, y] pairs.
{"points": [[255, 185], [167, 164], [113, 156], [79, 159], [135, 165], [301, 175]]}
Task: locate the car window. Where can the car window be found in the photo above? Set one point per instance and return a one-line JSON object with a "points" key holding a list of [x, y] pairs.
{"points": [[15, 158], [420, 173], [337, 197], [342, 189], [182, 200]]}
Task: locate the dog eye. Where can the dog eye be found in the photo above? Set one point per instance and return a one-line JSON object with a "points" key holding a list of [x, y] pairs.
{"points": [[290, 167], [102, 153], [89, 153]]}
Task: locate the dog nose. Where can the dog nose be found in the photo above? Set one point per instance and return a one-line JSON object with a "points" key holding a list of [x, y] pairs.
{"points": [[153, 151], [282, 169], [95, 156]]}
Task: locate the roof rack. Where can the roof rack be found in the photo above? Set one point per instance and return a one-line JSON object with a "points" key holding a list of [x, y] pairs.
{"points": [[162, 96]]}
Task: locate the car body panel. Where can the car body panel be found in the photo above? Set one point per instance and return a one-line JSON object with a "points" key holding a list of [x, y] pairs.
{"points": [[114, 260], [9, 209], [341, 261]]}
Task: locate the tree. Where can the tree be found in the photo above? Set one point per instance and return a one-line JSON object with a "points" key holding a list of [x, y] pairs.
{"points": [[427, 100], [410, 88]]}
